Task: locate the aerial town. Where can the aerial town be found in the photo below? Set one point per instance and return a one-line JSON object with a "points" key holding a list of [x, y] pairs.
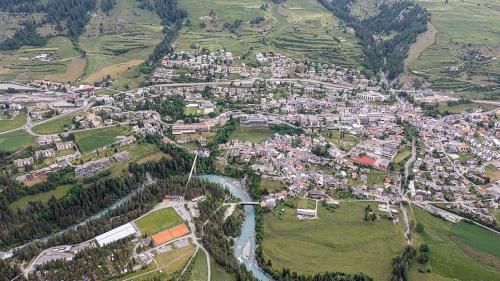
{"points": [[320, 131]]}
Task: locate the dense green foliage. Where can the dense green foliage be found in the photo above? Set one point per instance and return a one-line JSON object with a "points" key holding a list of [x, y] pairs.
{"points": [[91, 263], [28, 35], [21, 6], [401, 265], [173, 106], [107, 5], [73, 14], [171, 18], [80, 203], [404, 20], [8, 271], [284, 129]]}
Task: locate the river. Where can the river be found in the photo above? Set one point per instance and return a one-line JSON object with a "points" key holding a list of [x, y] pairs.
{"points": [[245, 244]]}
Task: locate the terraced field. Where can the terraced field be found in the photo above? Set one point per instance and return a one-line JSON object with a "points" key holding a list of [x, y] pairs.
{"points": [[299, 29], [65, 66], [118, 42], [462, 26]]}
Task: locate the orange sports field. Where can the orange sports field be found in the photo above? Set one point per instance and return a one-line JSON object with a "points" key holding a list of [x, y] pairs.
{"points": [[169, 234]]}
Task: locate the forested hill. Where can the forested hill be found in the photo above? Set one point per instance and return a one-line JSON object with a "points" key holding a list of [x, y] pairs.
{"points": [[386, 36]]}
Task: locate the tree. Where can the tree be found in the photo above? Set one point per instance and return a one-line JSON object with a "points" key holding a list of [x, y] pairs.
{"points": [[420, 228], [424, 248], [423, 258]]}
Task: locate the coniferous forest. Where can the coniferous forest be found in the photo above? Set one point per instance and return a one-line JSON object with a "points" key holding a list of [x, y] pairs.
{"points": [[406, 19]]}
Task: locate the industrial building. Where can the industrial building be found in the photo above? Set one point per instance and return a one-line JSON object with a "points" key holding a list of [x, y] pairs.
{"points": [[116, 234]]}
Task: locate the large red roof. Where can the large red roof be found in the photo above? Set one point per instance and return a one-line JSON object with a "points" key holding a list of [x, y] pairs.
{"points": [[365, 160]]}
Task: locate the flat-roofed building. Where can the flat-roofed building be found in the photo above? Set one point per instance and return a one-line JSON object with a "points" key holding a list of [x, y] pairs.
{"points": [[116, 234]]}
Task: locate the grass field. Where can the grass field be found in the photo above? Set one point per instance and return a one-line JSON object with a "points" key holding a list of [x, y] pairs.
{"points": [[141, 153], [153, 157], [272, 186], [303, 203], [113, 71], [403, 154], [190, 111], [456, 250], [462, 25], [255, 135], [58, 192], [65, 66], [492, 172], [337, 241], [16, 122], [129, 35], [168, 263], [376, 177], [74, 70], [464, 107], [158, 221], [346, 143], [478, 238], [93, 139], [58, 125], [200, 267], [301, 29], [219, 273], [15, 140]]}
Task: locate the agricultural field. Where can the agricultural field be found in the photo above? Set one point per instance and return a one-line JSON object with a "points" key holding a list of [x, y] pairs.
{"points": [[58, 193], [66, 64], [117, 43], [93, 139], [339, 240], [255, 135], [461, 27], [457, 251], [9, 124], [58, 125], [15, 140], [158, 221], [301, 29]]}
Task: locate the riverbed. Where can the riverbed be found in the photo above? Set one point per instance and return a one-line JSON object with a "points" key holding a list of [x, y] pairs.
{"points": [[245, 244]]}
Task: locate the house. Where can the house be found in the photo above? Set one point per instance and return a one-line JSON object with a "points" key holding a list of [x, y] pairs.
{"points": [[24, 162], [307, 213], [317, 194], [46, 153], [65, 145]]}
